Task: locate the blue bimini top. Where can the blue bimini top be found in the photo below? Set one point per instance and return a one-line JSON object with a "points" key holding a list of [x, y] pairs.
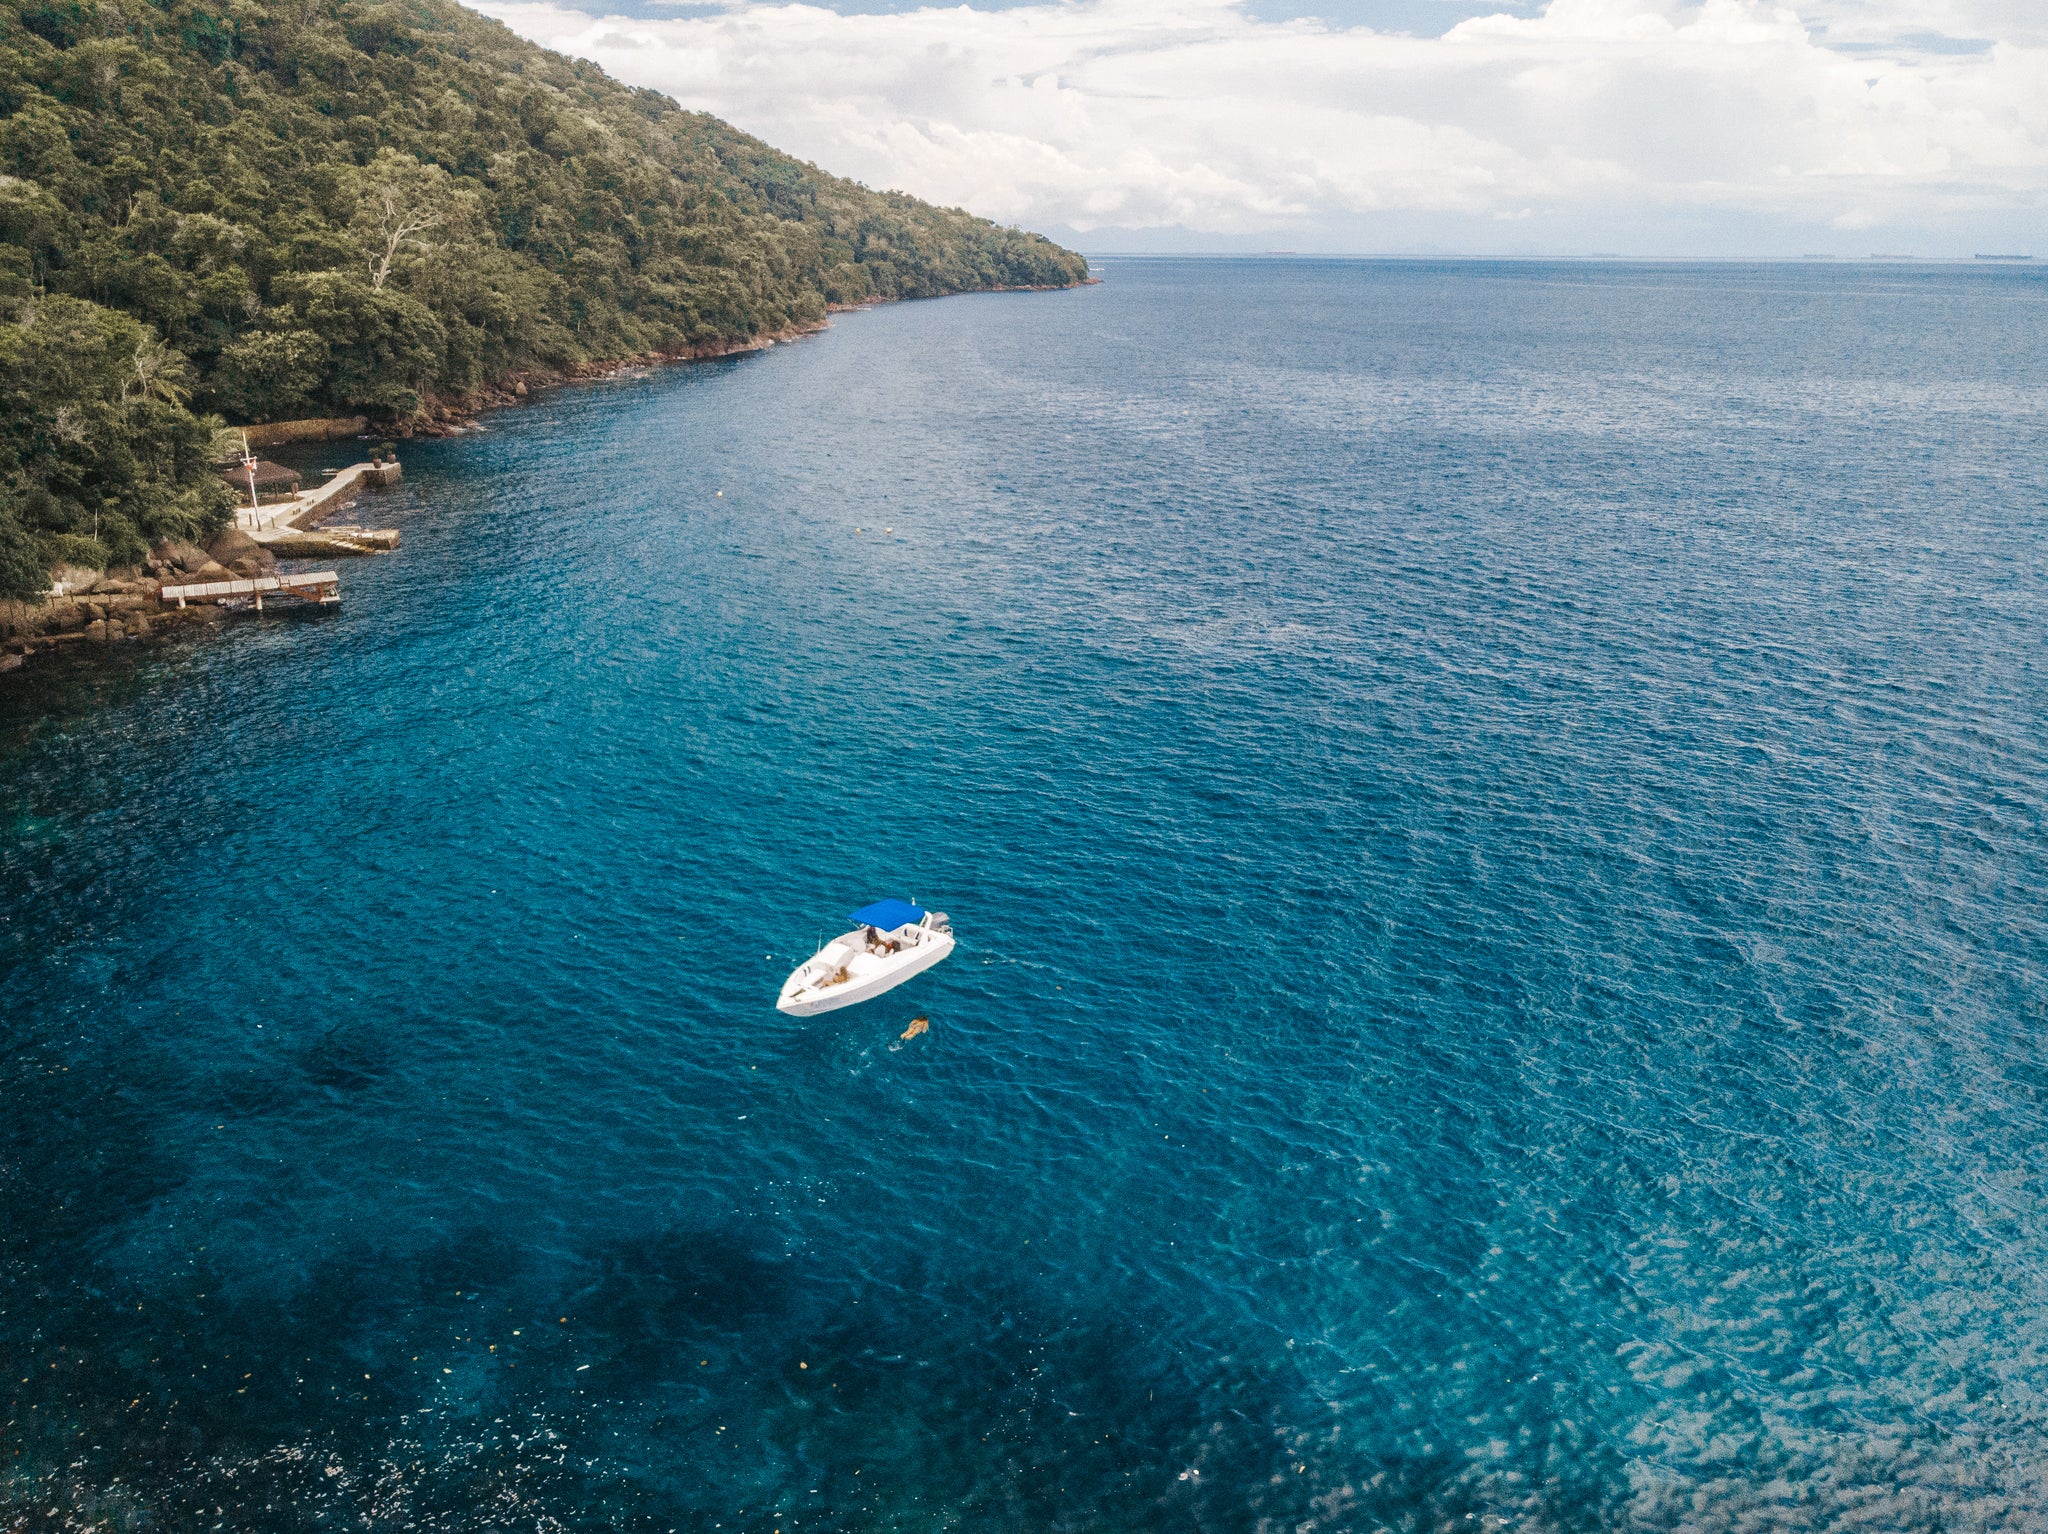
{"points": [[887, 915]]}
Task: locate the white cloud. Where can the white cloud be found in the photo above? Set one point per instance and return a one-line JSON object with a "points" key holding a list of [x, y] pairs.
{"points": [[1591, 117]]}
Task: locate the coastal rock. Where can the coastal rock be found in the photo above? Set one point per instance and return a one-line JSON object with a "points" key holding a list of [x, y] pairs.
{"points": [[10, 661], [137, 626], [240, 553], [96, 631]]}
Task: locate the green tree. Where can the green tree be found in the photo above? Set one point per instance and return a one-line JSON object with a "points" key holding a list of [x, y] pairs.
{"points": [[271, 374], [97, 452]]}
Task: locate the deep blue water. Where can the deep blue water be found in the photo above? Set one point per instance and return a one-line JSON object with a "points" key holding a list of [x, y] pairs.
{"points": [[1495, 816]]}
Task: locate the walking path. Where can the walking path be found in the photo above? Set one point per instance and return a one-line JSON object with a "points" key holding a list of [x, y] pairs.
{"points": [[277, 522]]}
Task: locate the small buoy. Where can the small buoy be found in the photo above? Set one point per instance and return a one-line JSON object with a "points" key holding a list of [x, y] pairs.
{"points": [[721, 495]]}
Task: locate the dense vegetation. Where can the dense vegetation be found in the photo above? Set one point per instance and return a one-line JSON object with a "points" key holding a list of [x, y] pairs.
{"points": [[275, 208]]}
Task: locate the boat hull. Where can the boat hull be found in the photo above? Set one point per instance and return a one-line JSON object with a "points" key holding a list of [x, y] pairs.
{"points": [[808, 1001]]}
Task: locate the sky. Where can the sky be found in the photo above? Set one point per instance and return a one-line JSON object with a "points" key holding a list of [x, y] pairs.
{"points": [[1637, 128]]}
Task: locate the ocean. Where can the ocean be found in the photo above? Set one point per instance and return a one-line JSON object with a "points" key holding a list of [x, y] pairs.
{"points": [[1494, 814]]}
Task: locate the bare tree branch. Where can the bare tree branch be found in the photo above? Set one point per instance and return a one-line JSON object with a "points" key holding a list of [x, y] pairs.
{"points": [[399, 223], [401, 202]]}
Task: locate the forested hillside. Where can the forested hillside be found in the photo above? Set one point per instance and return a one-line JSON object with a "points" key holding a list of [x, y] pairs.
{"points": [[275, 208]]}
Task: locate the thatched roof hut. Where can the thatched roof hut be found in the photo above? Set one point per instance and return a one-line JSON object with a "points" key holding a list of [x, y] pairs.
{"points": [[271, 479]]}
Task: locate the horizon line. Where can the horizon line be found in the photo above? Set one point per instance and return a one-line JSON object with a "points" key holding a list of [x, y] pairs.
{"points": [[1594, 257]]}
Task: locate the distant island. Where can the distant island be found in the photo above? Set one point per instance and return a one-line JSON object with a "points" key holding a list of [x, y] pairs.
{"points": [[326, 208]]}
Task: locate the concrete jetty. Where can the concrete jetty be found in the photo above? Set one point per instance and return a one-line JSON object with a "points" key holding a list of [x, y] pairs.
{"points": [[279, 524]]}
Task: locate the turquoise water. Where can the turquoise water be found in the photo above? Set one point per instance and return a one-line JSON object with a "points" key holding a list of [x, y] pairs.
{"points": [[1495, 821]]}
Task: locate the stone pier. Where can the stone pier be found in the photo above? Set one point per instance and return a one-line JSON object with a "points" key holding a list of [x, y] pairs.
{"points": [[279, 524]]}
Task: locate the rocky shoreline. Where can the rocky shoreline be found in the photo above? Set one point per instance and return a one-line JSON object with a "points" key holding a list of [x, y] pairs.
{"points": [[126, 604], [456, 417]]}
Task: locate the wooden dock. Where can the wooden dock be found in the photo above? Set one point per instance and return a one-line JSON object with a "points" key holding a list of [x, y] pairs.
{"points": [[319, 586]]}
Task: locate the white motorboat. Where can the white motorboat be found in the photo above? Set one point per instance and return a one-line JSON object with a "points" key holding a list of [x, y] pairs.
{"points": [[891, 940]]}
